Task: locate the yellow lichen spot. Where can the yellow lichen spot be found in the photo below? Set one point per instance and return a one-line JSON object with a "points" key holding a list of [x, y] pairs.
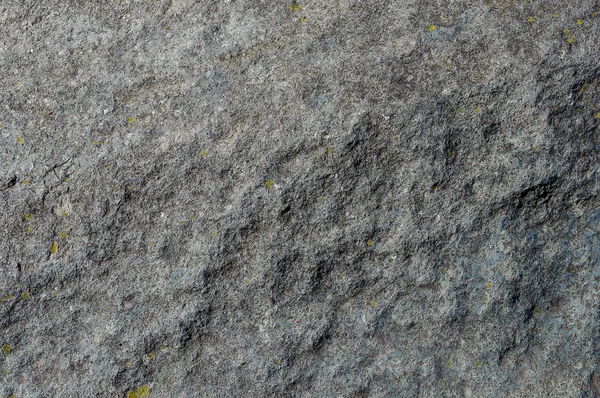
{"points": [[566, 31], [151, 355], [54, 248], [329, 151], [478, 364], [303, 20], [9, 296], [203, 153], [27, 216], [580, 22], [16, 84], [131, 394], [131, 119], [370, 242], [63, 235], [29, 229], [489, 285], [555, 15], [277, 362], [97, 143], [213, 234], [269, 184], [25, 296], [571, 40], [444, 19], [26, 182], [44, 112], [432, 28], [129, 364], [373, 303], [6, 349], [296, 7], [450, 362], [533, 147], [64, 214], [478, 109], [143, 391], [530, 19], [19, 140]]}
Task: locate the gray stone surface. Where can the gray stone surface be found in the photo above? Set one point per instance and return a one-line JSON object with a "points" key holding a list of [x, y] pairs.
{"points": [[328, 199]]}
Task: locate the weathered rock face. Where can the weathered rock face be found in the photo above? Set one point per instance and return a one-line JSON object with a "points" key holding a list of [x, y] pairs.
{"points": [[334, 199]]}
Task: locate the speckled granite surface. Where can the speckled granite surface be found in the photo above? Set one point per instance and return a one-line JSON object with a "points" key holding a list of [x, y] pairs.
{"points": [[275, 199]]}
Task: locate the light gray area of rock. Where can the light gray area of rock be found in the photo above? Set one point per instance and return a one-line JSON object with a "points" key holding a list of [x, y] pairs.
{"points": [[271, 199]]}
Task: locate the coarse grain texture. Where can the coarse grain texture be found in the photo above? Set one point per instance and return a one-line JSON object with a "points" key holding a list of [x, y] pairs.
{"points": [[280, 199]]}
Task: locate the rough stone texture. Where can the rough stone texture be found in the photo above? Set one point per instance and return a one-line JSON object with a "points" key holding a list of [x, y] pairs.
{"points": [[267, 199]]}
